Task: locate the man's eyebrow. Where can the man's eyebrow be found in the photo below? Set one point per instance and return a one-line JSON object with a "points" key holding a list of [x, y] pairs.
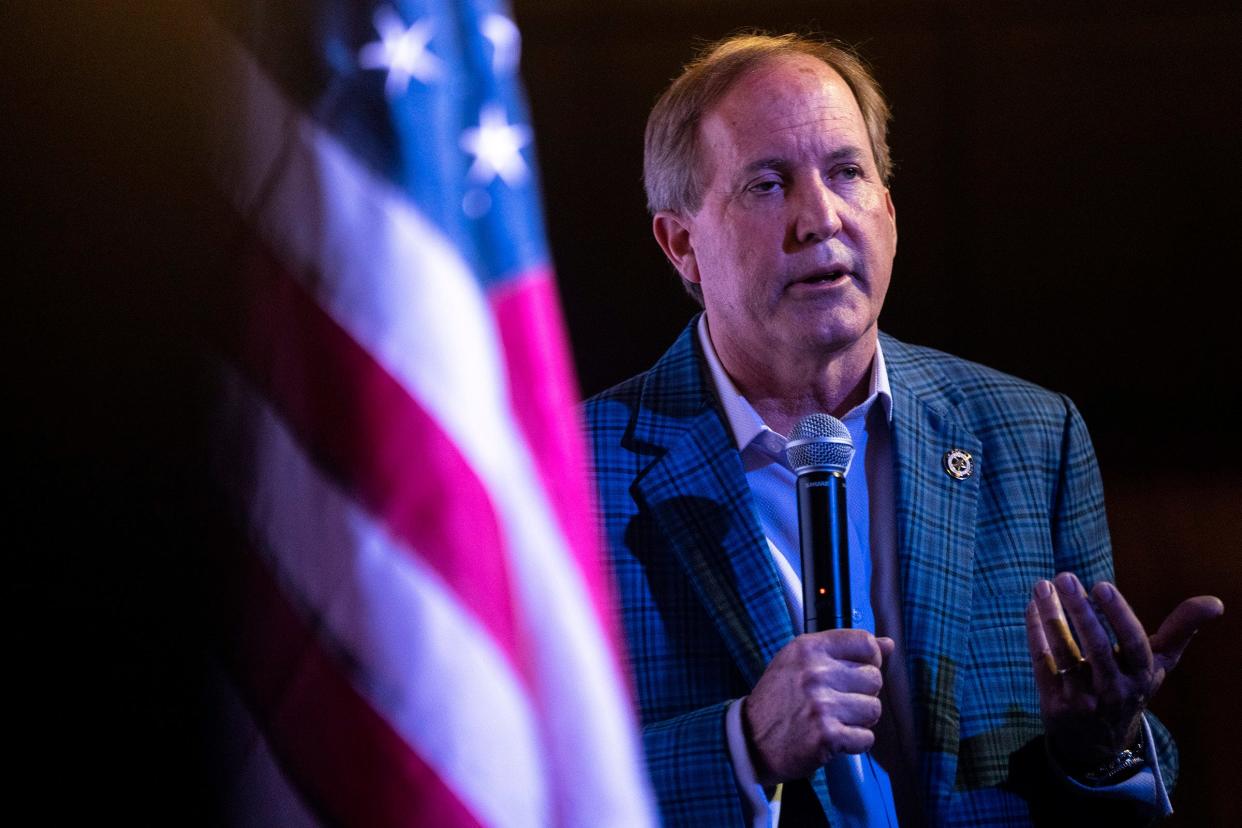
{"points": [[846, 153], [773, 163]]}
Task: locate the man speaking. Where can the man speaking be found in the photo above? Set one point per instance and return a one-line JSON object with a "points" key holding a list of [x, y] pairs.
{"points": [[990, 674]]}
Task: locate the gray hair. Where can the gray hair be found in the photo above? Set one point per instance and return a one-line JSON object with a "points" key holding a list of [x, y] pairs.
{"points": [[672, 167]]}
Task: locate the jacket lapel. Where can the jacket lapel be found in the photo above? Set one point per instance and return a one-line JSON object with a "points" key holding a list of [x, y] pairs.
{"points": [[936, 516], [696, 491]]}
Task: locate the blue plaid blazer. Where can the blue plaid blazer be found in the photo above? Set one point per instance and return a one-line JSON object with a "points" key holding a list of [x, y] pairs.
{"points": [[702, 606]]}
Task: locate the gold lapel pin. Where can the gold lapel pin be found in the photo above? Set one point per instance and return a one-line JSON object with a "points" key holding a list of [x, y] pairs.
{"points": [[959, 464]]}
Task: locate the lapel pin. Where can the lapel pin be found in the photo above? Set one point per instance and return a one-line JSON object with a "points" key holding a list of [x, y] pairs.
{"points": [[959, 464]]}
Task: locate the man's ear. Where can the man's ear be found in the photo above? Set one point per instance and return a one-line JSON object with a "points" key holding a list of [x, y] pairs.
{"points": [[672, 232], [892, 212]]}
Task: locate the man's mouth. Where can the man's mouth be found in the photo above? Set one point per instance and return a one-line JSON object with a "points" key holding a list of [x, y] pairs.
{"points": [[824, 277]]}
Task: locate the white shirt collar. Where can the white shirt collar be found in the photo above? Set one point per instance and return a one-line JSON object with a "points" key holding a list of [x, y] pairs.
{"points": [[746, 424]]}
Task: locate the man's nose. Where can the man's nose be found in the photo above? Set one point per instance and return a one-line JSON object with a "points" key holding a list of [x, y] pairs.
{"points": [[818, 213]]}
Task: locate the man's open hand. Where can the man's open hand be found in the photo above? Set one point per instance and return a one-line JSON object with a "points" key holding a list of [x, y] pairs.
{"points": [[1092, 699]]}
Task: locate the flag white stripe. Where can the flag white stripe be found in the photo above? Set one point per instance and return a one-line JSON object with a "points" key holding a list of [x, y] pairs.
{"points": [[423, 661]]}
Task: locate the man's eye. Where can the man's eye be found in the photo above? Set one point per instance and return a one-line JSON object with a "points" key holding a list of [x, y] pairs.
{"points": [[850, 172], [767, 185]]}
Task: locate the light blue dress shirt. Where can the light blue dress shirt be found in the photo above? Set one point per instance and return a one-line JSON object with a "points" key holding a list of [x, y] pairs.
{"points": [[861, 788]]}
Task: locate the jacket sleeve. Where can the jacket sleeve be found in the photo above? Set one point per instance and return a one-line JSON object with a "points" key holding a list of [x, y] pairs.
{"points": [[1081, 545], [1081, 541], [691, 770]]}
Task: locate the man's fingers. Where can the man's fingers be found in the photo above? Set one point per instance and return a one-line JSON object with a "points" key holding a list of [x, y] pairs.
{"points": [[1095, 641], [849, 645], [1043, 665], [1175, 633], [849, 709], [1134, 650], [849, 740], [852, 677], [1057, 633], [846, 720]]}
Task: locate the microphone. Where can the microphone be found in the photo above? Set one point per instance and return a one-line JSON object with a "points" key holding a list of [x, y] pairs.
{"points": [[820, 449]]}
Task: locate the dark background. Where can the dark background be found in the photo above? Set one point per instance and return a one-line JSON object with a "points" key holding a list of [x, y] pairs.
{"points": [[1066, 182]]}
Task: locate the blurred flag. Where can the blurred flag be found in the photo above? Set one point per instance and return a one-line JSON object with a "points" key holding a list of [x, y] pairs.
{"points": [[419, 619]]}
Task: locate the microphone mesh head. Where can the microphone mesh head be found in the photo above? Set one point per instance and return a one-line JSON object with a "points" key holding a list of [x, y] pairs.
{"points": [[820, 441]]}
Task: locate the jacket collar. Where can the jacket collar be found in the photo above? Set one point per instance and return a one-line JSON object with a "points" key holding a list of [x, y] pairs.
{"points": [[744, 422]]}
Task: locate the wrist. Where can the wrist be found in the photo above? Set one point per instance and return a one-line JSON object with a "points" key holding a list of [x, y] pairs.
{"points": [[1088, 745], [762, 772], [1114, 769]]}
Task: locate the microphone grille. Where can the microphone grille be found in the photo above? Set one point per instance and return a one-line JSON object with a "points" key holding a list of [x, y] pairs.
{"points": [[820, 441]]}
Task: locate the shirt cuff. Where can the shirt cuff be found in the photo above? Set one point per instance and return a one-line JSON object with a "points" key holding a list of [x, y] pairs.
{"points": [[1146, 786], [758, 812]]}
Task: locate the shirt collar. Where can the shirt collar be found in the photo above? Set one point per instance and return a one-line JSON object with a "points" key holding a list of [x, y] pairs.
{"points": [[746, 424]]}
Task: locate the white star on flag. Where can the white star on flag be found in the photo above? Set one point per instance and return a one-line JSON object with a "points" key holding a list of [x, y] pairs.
{"points": [[506, 42], [496, 146], [400, 50]]}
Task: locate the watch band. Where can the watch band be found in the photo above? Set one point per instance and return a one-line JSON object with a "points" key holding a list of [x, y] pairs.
{"points": [[1118, 769]]}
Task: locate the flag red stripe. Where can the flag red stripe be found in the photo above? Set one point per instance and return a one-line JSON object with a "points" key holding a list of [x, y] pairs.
{"points": [[363, 428], [345, 759], [544, 395]]}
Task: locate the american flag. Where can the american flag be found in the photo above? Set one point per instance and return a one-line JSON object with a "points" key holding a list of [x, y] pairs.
{"points": [[418, 624]]}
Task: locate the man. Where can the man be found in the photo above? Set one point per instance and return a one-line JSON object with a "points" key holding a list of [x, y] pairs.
{"points": [[766, 171]]}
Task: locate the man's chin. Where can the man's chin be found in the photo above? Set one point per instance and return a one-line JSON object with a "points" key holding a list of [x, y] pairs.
{"points": [[841, 337]]}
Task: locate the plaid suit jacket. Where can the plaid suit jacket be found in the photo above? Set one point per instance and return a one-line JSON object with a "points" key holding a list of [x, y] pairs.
{"points": [[702, 606]]}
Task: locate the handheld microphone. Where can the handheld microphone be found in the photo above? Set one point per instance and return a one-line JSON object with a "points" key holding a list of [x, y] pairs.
{"points": [[819, 450]]}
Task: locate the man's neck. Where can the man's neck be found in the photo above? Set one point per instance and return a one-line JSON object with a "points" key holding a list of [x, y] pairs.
{"points": [[784, 393]]}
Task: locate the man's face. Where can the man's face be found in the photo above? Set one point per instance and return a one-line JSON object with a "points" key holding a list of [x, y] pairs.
{"points": [[793, 245]]}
